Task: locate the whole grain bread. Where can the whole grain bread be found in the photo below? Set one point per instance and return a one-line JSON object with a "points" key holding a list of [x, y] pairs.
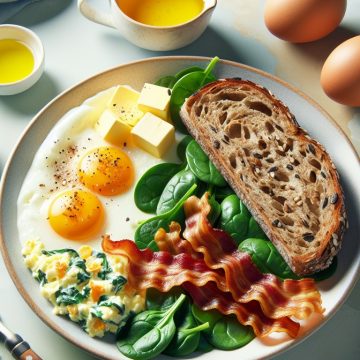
{"points": [[285, 178]]}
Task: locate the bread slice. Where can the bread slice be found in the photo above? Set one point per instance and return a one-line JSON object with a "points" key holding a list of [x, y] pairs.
{"points": [[285, 178]]}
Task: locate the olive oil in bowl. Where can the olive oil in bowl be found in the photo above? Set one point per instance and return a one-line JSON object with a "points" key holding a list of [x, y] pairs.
{"points": [[161, 12], [16, 61]]}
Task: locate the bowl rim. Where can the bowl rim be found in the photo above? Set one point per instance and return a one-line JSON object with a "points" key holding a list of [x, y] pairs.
{"points": [[5, 253], [40, 53]]}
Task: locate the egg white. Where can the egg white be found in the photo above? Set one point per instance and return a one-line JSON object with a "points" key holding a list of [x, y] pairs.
{"points": [[54, 170]]}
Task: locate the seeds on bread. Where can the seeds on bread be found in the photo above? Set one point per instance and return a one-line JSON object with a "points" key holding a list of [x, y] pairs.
{"points": [[285, 178]]}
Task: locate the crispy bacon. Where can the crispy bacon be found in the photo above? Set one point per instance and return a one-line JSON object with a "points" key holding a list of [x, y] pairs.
{"points": [[277, 298], [163, 271]]}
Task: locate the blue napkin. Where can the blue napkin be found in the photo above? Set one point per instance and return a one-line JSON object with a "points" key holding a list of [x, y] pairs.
{"points": [[9, 8]]}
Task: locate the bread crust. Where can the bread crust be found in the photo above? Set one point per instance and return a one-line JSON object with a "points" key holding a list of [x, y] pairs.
{"points": [[329, 244]]}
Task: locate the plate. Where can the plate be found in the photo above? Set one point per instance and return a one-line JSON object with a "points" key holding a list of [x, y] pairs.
{"points": [[310, 116]]}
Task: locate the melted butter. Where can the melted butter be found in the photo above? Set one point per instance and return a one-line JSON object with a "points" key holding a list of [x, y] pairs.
{"points": [[161, 12], [16, 61]]}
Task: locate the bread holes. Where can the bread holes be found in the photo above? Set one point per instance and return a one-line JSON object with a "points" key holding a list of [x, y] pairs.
{"points": [[246, 151], [266, 190], [198, 110], [232, 160], [289, 145], [259, 106], [281, 176], [269, 127], [277, 206], [315, 164], [279, 128], [287, 220], [222, 118], [303, 244], [237, 96], [312, 207], [234, 130], [302, 153], [312, 177], [206, 110], [269, 160], [246, 132]]}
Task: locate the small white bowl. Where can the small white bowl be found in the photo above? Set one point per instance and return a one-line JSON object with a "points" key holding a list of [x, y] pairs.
{"points": [[33, 42]]}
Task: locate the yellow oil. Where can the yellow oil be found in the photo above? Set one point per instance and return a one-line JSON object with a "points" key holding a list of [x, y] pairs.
{"points": [[161, 12], [16, 61]]}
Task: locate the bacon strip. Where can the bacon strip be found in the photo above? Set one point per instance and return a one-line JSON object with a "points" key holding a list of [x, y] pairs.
{"points": [[277, 298], [163, 271]]}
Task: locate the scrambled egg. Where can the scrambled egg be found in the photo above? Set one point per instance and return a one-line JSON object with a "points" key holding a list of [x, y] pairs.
{"points": [[88, 286]]}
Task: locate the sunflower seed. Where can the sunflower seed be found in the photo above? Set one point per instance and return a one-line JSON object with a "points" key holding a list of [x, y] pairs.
{"points": [[334, 198], [308, 237]]}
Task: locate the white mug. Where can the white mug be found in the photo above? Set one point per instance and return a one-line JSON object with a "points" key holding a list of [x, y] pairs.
{"points": [[159, 38]]}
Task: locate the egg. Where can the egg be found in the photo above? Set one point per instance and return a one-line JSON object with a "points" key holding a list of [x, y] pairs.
{"points": [[301, 21], [340, 75], [80, 187]]}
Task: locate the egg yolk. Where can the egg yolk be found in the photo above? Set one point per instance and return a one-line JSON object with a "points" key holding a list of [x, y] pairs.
{"points": [[106, 170], [76, 214]]}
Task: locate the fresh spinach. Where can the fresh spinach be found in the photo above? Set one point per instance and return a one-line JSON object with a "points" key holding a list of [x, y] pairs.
{"points": [[186, 86], [267, 259], [149, 333], [167, 81], [157, 300], [71, 295], [222, 192], [187, 335], [151, 185], [181, 148], [215, 210], [175, 189], [144, 234], [237, 221], [201, 166], [224, 332], [325, 274], [186, 71], [204, 346]]}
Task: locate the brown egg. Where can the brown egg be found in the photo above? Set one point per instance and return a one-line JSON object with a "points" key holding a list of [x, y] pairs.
{"points": [[340, 75], [303, 20]]}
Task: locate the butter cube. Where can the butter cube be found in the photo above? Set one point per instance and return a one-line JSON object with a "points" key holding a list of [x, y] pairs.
{"points": [[153, 134], [111, 129], [124, 104], [155, 99]]}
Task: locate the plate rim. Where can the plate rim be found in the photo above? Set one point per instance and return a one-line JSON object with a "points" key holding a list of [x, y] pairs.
{"points": [[6, 255]]}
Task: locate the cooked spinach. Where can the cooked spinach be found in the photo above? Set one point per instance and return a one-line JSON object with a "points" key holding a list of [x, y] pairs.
{"points": [[187, 335], [186, 86], [201, 166], [151, 185], [71, 295], [181, 148], [144, 234], [149, 333], [224, 332], [41, 277], [175, 189], [71, 252], [117, 283], [237, 221], [105, 267]]}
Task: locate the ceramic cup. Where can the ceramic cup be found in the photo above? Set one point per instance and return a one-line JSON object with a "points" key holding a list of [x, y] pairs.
{"points": [[159, 38]]}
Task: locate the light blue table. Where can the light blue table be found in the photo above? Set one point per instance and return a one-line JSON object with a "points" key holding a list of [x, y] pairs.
{"points": [[76, 49]]}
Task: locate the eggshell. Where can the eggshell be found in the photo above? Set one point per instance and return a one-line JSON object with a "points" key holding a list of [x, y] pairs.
{"points": [[340, 75], [303, 20]]}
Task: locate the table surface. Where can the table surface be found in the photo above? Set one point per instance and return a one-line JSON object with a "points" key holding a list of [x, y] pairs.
{"points": [[77, 48]]}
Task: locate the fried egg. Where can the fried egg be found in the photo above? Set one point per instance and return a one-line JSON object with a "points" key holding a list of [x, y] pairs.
{"points": [[80, 187]]}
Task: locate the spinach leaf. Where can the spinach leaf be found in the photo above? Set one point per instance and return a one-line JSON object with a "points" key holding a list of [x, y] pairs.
{"points": [[150, 186], [215, 210], [118, 282], [181, 148], [224, 332], [41, 277], [149, 333], [175, 189], [71, 295], [237, 221], [156, 300], [167, 81], [186, 86], [325, 274], [187, 334], [186, 71], [201, 166], [144, 234], [105, 267], [267, 259], [204, 346], [222, 192]]}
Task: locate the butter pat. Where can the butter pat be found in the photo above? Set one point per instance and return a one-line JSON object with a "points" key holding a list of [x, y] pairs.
{"points": [[155, 99], [153, 135], [124, 104], [111, 129]]}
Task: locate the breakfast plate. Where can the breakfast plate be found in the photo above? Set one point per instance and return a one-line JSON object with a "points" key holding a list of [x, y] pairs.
{"points": [[310, 115]]}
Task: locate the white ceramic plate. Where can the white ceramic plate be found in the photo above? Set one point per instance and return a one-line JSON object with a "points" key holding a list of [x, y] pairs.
{"points": [[318, 123]]}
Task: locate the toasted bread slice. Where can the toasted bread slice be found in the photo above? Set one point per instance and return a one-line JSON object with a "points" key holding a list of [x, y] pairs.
{"points": [[285, 178]]}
